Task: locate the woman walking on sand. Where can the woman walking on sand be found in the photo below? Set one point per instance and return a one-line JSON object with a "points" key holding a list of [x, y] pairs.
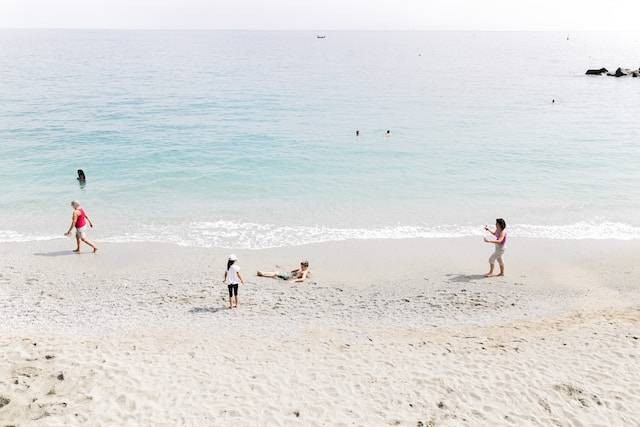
{"points": [[233, 278], [500, 239], [79, 220]]}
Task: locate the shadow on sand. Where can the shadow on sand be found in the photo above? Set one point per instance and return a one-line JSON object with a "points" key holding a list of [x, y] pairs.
{"points": [[58, 253], [464, 278], [197, 310]]}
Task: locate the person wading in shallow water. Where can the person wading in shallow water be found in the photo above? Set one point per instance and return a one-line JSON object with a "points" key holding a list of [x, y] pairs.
{"points": [[79, 220], [500, 239]]}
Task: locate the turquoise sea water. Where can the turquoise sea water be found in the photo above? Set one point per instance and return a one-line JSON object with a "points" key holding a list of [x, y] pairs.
{"points": [[247, 139]]}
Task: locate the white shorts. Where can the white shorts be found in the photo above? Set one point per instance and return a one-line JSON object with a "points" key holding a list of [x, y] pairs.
{"points": [[497, 254], [80, 232]]}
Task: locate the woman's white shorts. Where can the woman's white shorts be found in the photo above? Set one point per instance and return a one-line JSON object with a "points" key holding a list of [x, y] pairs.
{"points": [[497, 254]]}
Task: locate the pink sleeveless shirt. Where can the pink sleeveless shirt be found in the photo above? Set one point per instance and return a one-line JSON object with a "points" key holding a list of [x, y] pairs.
{"points": [[81, 220]]}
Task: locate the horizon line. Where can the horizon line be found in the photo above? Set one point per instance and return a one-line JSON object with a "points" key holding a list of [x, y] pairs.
{"points": [[313, 30]]}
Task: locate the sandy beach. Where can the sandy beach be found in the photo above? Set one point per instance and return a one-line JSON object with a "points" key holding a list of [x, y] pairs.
{"points": [[387, 332]]}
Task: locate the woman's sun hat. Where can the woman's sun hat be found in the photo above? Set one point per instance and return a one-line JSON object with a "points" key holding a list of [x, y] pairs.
{"points": [[233, 257]]}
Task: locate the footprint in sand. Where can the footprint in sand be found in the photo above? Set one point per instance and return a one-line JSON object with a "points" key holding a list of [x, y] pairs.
{"points": [[129, 404], [577, 394], [545, 405], [26, 371]]}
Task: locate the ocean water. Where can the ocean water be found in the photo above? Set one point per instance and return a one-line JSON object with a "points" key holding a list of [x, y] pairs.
{"points": [[247, 139]]}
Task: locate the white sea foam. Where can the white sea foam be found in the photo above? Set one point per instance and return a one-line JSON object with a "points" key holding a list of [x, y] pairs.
{"points": [[14, 236], [228, 234], [579, 231]]}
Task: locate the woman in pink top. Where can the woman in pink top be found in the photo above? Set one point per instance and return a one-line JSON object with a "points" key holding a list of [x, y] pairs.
{"points": [[500, 239], [79, 220]]}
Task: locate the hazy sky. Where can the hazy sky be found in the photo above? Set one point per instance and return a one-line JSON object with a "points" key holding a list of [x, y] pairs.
{"points": [[564, 15]]}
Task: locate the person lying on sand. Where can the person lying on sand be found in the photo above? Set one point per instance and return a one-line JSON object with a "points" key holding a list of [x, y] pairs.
{"points": [[500, 239], [297, 275]]}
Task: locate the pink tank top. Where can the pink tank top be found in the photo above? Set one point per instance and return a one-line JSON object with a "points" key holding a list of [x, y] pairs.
{"points": [[81, 220], [497, 234]]}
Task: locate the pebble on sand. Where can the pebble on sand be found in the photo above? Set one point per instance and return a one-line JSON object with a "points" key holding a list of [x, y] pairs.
{"points": [[4, 401]]}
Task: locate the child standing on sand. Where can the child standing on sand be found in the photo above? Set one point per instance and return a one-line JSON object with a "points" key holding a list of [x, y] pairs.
{"points": [[233, 278], [500, 239]]}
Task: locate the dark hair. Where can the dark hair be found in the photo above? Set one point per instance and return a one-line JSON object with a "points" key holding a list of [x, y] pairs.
{"points": [[229, 264], [501, 223]]}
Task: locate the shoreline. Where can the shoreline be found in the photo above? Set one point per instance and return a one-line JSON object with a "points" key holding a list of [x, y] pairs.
{"points": [[255, 236]]}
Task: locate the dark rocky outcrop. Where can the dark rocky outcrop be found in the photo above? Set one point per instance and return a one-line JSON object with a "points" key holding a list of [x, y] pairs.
{"points": [[620, 72], [597, 72]]}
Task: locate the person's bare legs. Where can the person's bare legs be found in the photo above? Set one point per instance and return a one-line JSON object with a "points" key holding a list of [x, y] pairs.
{"points": [[88, 243], [266, 273], [230, 301], [501, 264], [236, 299], [490, 273], [77, 249]]}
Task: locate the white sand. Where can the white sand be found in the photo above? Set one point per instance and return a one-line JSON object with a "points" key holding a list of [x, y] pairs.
{"points": [[389, 333]]}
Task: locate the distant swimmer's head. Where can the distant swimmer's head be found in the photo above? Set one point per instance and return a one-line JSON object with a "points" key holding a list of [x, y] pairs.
{"points": [[388, 132], [501, 223], [75, 204]]}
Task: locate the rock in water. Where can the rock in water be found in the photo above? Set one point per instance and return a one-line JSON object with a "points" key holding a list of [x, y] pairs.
{"points": [[597, 72], [619, 72]]}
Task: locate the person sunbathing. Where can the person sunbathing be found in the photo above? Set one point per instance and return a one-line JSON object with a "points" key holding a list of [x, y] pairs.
{"points": [[298, 275]]}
